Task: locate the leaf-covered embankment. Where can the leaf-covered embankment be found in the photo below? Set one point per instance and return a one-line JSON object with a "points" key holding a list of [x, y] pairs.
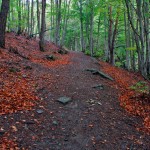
{"points": [[133, 101]]}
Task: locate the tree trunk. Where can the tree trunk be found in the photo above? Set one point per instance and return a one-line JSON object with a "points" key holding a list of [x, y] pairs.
{"points": [[127, 36], [42, 33], [112, 35], [110, 30], [58, 21], [31, 29], [51, 21], [91, 30], [139, 33], [67, 8], [106, 40], [81, 27], [133, 53], [98, 32], [142, 38], [38, 15], [28, 17], [8, 26], [19, 17], [147, 35], [3, 19]]}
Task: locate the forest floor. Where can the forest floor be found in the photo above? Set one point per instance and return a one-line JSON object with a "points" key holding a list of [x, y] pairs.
{"points": [[101, 115]]}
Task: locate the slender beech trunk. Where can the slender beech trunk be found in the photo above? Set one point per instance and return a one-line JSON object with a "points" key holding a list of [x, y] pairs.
{"points": [[24, 16], [28, 17], [91, 30], [64, 18], [32, 7], [112, 35], [12, 14], [133, 53], [110, 29], [38, 15], [51, 21], [54, 17], [8, 26], [147, 34], [42, 33], [141, 26], [106, 40], [132, 41], [3, 19], [19, 17], [58, 22], [98, 32], [67, 11], [127, 28], [81, 27], [112, 57]]}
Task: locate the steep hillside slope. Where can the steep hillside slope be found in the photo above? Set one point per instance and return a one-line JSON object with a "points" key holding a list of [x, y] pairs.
{"points": [[32, 83]]}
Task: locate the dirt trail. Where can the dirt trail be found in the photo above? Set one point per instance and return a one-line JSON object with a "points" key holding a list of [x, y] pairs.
{"points": [[93, 120]]}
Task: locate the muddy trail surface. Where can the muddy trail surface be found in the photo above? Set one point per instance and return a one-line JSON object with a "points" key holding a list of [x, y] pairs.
{"points": [[91, 120]]}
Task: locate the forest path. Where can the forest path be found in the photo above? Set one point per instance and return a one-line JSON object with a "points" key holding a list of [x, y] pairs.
{"points": [[93, 120]]}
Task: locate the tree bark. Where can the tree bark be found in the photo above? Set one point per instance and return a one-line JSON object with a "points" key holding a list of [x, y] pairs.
{"points": [[19, 17], [58, 21], [98, 32], [42, 33], [147, 34], [127, 36], [112, 57], [28, 17], [32, 16], [91, 29], [81, 26], [38, 15], [3, 19], [110, 30], [51, 20], [106, 40], [142, 39], [112, 35], [67, 11]]}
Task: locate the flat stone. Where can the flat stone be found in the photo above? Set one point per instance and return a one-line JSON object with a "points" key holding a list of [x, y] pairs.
{"points": [[98, 72], [64, 100], [91, 70], [50, 57], [39, 111], [29, 122], [99, 103], [55, 122], [100, 86]]}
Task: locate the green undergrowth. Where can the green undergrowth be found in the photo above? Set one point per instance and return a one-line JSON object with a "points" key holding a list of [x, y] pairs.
{"points": [[141, 87]]}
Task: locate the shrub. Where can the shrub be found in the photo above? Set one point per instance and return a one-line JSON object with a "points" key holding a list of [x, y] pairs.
{"points": [[141, 87]]}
